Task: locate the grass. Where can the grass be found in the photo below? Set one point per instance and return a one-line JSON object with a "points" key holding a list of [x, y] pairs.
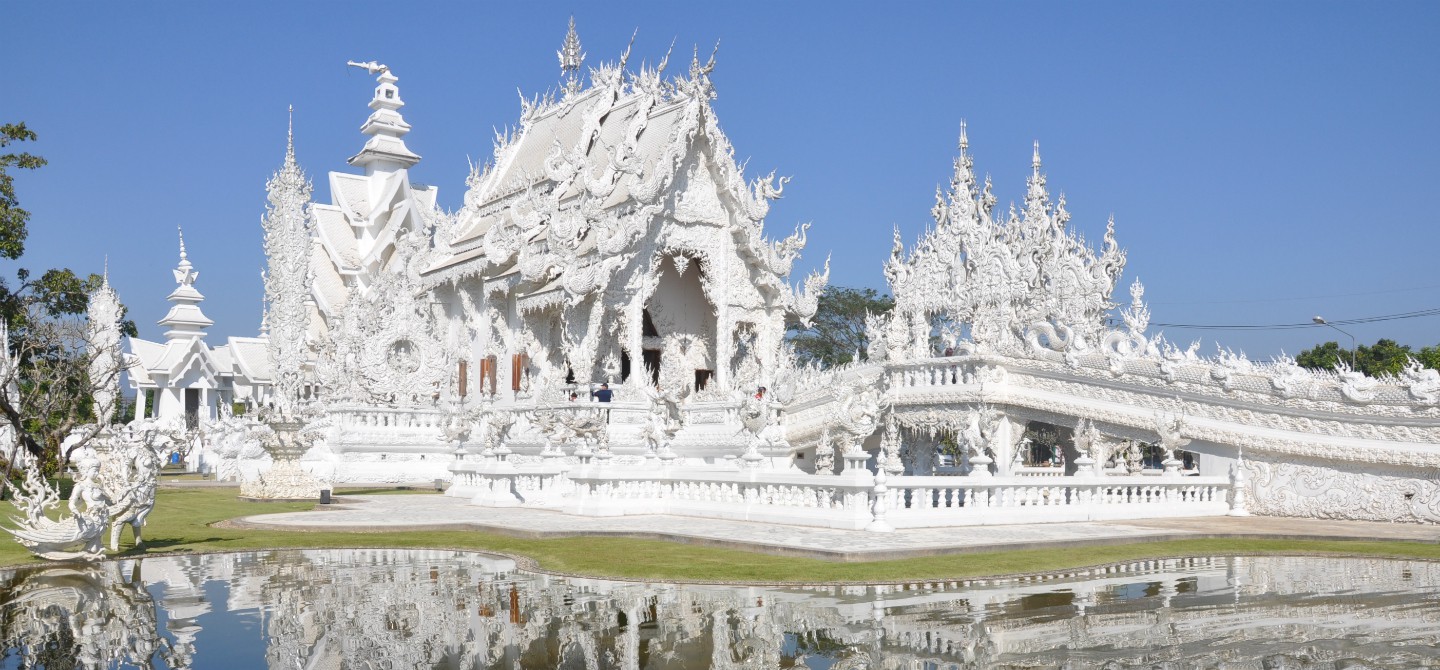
{"points": [[181, 523]]}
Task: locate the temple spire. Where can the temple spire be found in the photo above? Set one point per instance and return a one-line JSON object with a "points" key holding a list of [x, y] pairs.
{"points": [[964, 140], [385, 151], [185, 275], [571, 57], [290, 138], [185, 320], [1035, 158]]}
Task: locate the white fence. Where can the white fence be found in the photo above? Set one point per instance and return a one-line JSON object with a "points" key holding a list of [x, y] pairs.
{"points": [[850, 500]]}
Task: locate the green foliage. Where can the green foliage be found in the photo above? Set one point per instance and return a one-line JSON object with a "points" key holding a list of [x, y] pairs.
{"points": [[838, 330], [1429, 357], [13, 220], [45, 336], [1385, 357], [1323, 357]]}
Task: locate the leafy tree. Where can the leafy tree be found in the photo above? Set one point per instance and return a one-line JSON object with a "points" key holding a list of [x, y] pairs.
{"points": [[1384, 357], [12, 218], [1429, 357], [838, 330], [1323, 357], [46, 393]]}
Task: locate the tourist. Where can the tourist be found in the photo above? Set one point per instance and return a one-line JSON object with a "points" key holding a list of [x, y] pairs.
{"points": [[760, 393], [604, 394], [573, 396]]}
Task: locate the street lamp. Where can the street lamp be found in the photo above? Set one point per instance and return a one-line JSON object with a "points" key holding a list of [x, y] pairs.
{"points": [[1323, 322]]}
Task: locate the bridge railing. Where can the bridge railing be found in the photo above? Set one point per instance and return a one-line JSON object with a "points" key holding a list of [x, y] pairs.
{"points": [[857, 501], [912, 502]]}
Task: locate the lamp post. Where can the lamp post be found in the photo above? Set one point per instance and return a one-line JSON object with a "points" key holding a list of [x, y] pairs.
{"points": [[1323, 322]]}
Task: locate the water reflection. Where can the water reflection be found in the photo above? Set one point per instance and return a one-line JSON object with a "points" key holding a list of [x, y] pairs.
{"points": [[433, 609]]}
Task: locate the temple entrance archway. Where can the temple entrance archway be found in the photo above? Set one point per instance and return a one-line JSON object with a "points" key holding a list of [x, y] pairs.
{"points": [[678, 333]]}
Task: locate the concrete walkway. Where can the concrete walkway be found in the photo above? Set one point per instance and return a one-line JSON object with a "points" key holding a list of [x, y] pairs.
{"points": [[386, 513]]}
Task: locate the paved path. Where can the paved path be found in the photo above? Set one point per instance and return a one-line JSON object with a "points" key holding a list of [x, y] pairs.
{"points": [[381, 513]]}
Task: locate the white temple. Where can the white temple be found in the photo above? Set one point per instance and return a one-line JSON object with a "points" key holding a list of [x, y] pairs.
{"points": [[184, 378], [613, 239]]}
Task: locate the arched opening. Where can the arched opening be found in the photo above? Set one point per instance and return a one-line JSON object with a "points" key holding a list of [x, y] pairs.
{"points": [[678, 329]]}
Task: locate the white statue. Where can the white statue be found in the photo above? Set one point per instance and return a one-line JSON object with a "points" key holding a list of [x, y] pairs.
{"points": [[79, 535]]}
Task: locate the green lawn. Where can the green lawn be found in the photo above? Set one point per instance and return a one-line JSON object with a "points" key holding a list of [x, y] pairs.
{"points": [[182, 517]]}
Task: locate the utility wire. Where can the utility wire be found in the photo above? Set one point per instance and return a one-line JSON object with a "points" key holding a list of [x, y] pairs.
{"points": [[1295, 298], [1295, 326]]}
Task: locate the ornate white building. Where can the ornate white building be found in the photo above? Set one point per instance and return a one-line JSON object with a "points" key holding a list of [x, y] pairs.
{"points": [[184, 377], [613, 239]]}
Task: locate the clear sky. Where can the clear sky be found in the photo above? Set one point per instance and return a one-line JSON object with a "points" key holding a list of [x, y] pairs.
{"points": [[1265, 162]]}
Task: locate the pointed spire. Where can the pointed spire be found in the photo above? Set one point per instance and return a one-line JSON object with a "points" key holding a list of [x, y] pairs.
{"points": [[964, 140], [105, 273], [571, 57], [185, 275], [290, 139], [185, 320], [385, 151], [1035, 158]]}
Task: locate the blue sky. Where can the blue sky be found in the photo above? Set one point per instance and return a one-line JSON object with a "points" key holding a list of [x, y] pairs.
{"points": [[1265, 162]]}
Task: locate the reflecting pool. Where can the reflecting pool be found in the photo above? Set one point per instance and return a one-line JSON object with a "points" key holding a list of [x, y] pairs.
{"points": [[445, 609]]}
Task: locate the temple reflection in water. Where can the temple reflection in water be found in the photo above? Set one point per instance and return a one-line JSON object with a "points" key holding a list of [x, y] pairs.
{"points": [[445, 609]]}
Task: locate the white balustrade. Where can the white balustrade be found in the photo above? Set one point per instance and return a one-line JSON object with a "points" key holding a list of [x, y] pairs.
{"points": [[789, 497], [950, 501], [848, 501]]}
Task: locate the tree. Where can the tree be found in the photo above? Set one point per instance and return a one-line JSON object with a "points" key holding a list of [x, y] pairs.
{"points": [[45, 381], [1429, 357], [1385, 357], [838, 330], [1323, 357]]}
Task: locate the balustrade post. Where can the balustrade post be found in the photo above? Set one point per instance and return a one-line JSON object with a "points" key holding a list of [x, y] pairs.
{"points": [[1239, 481], [878, 523]]}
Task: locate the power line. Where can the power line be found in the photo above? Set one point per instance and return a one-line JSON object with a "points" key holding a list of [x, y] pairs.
{"points": [[1294, 298], [1309, 324]]}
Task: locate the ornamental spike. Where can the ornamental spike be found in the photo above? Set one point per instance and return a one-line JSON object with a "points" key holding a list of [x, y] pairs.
{"points": [[625, 55], [290, 138], [571, 57], [660, 69], [1035, 158]]}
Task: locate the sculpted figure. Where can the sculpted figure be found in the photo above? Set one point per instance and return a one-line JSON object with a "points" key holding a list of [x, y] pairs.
{"points": [[663, 420], [79, 535]]}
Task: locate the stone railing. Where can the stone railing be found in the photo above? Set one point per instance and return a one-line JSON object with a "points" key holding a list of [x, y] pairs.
{"points": [[787, 497], [1283, 385], [357, 428], [858, 500], [914, 502]]}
